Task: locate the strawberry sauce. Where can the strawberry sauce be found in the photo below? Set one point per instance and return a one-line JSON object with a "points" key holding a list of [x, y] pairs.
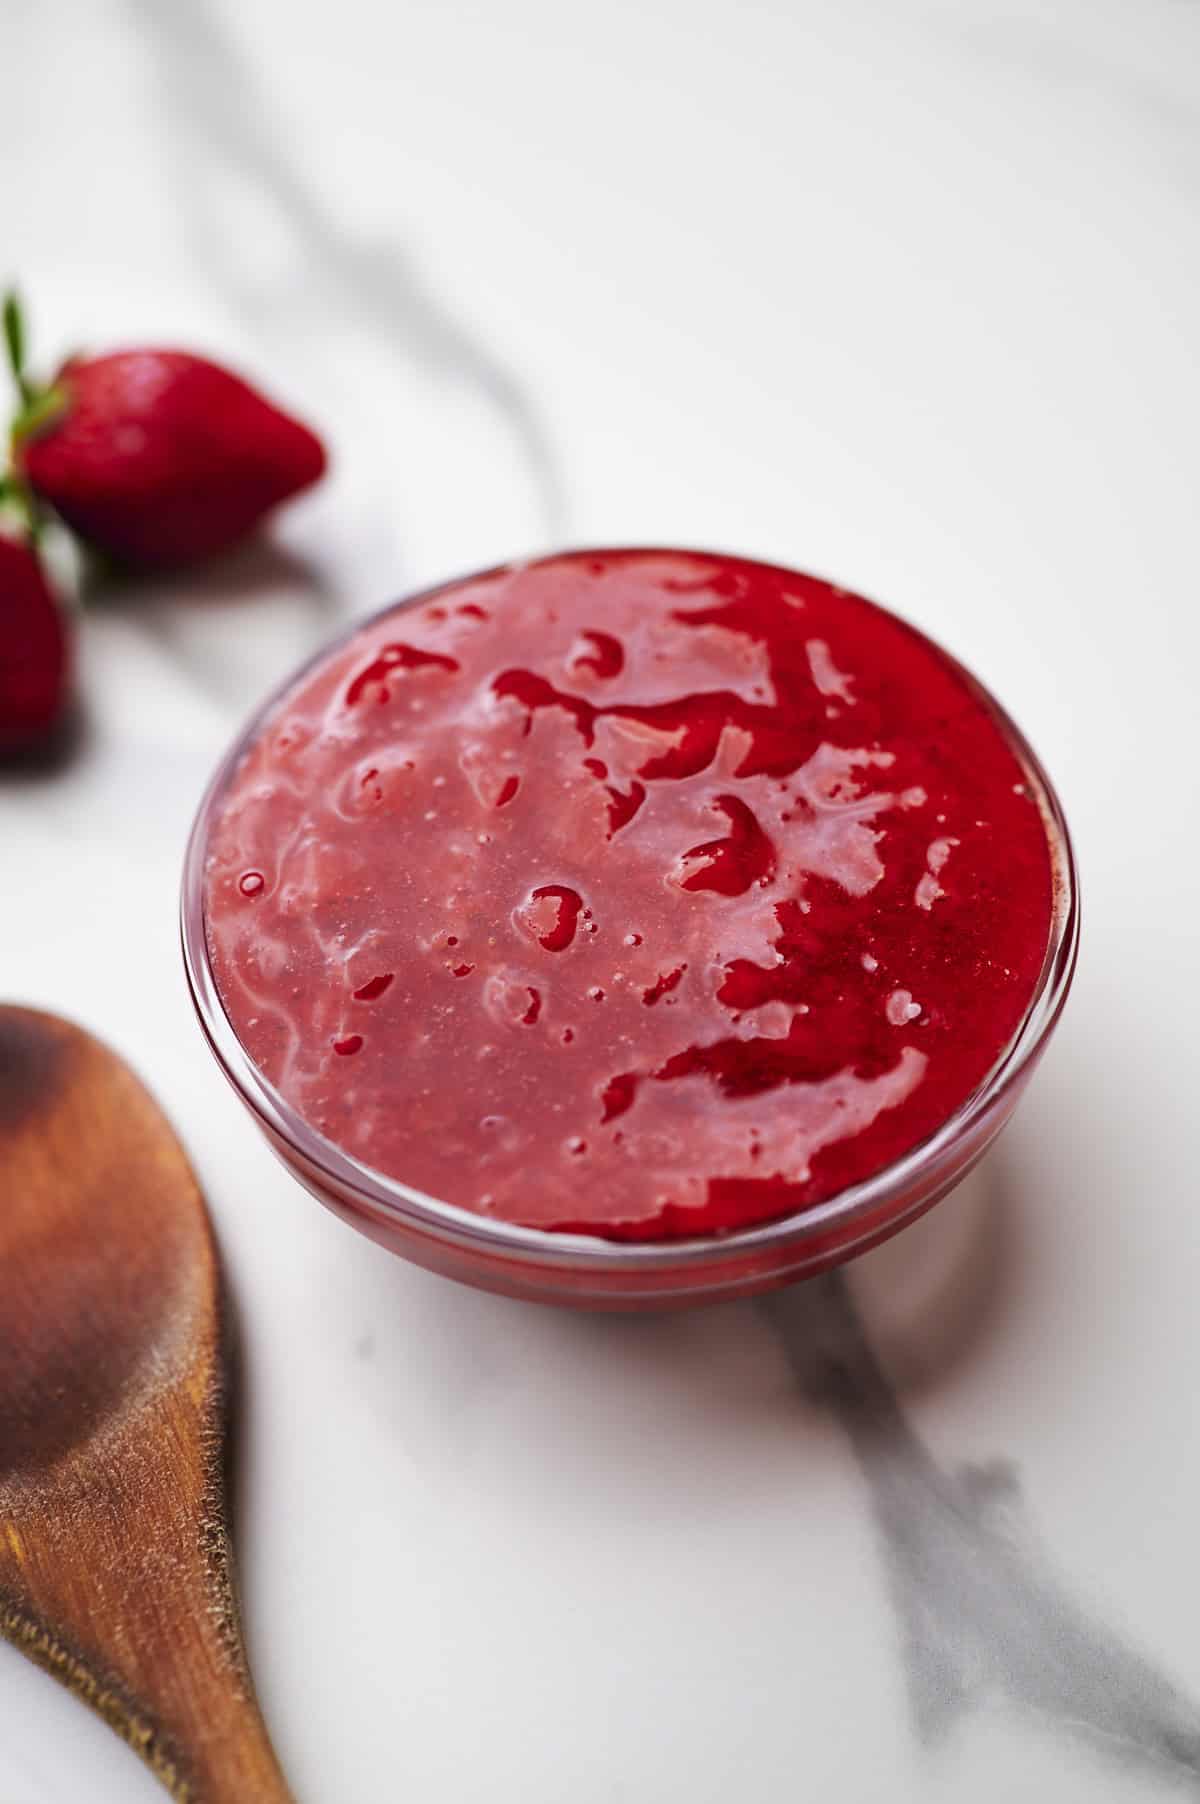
{"points": [[641, 894]]}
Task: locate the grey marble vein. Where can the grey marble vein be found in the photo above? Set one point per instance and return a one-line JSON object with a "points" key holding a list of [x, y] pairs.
{"points": [[219, 126], [980, 1612]]}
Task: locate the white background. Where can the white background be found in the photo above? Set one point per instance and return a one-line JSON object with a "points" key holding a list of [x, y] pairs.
{"points": [[906, 294]]}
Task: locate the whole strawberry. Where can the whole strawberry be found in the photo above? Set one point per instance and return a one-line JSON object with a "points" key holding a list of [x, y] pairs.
{"points": [[34, 651], [161, 458]]}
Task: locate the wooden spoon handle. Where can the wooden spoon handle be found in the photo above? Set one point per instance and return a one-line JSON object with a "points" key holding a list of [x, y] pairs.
{"points": [[230, 1758], [144, 1626], [163, 1664]]}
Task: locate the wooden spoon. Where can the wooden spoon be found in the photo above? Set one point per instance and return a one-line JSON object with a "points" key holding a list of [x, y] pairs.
{"points": [[115, 1567]]}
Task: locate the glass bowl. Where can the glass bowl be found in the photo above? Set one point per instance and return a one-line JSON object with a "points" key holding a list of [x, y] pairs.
{"points": [[586, 1271]]}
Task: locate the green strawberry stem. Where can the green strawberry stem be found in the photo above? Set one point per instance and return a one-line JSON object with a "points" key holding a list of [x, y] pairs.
{"points": [[35, 408], [14, 344], [17, 500]]}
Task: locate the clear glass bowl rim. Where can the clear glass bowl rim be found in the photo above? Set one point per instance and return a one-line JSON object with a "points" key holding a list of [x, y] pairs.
{"points": [[392, 1202]]}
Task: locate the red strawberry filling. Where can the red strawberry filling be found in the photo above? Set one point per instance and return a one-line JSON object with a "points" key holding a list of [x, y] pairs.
{"points": [[652, 893]]}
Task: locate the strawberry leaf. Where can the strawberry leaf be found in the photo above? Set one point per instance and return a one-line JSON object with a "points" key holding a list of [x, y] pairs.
{"points": [[14, 343], [39, 408]]}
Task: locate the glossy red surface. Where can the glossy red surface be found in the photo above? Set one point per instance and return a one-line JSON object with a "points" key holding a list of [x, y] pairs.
{"points": [[642, 894]]}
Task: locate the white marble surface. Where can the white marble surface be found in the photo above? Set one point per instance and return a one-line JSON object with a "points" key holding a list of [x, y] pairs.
{"points": [[904, 293]]}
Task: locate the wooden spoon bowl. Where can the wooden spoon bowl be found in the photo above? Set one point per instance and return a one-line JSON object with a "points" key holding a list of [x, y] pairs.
{"points": [[115, 1565]]}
